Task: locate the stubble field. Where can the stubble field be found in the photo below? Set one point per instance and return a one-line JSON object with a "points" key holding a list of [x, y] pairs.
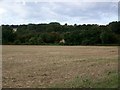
{"points": [[59, 66]]}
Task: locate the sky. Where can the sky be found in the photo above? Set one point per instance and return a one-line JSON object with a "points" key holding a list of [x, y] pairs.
{"points": [[24, 12]]}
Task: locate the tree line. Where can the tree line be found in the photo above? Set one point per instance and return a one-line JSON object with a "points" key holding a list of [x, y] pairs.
{"points": [[54, 32]]}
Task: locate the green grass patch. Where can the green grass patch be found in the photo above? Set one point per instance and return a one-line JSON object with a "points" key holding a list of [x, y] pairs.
{"points": [[109, 81]]}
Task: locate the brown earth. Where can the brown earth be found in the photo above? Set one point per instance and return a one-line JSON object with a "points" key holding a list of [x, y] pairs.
{"points": [[42, 66]]}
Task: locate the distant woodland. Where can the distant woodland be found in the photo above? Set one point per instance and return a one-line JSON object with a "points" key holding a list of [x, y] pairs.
{"points": [[56, 34]]}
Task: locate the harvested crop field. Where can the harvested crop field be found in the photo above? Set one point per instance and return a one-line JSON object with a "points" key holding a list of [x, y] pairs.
{"points": [[59, 66]]}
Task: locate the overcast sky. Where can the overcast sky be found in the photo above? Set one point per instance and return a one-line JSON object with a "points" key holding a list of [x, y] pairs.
{"points": [[63, 12]]}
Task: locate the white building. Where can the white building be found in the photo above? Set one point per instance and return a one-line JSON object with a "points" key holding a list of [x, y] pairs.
{"points": [[14, 30], [62, 41]]}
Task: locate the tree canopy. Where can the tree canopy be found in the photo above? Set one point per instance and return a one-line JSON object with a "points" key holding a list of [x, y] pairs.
{"points": [[54, 32]]}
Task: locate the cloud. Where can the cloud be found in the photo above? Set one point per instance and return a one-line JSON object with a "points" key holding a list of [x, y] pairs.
{"points": [[89, 11], [63, 12], [60, 0], [14, 12]]}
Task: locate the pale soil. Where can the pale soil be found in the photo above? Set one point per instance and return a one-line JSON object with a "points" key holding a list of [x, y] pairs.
{"points": [[42, 66]]}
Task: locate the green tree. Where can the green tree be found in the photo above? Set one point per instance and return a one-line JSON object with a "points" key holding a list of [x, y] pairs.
{"points": [[7, 35], [108, 37]]}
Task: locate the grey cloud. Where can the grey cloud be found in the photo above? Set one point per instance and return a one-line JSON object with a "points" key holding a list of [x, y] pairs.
{"points": [[94, 10], [89, 12]]}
